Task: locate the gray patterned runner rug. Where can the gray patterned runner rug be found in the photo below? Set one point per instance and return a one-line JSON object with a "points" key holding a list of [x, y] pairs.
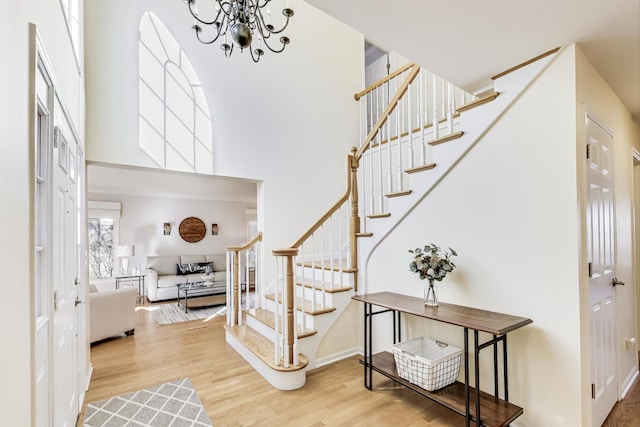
{"points": [[173, 404]]}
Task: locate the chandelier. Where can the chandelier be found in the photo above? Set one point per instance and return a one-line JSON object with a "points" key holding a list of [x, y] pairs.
{"points": [[242, 21]]}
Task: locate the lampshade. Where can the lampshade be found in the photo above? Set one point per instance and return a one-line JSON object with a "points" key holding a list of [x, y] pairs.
{"points": [[125, 250]]}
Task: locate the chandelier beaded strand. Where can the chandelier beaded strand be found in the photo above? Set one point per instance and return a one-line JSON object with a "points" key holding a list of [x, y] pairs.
{"points": [[242, 21]]}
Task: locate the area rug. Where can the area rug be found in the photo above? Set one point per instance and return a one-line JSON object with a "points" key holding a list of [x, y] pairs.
{"points": [[165, 314], [173, 404]]}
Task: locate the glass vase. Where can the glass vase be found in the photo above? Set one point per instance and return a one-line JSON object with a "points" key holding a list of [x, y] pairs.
{"points": [[430, 296]]}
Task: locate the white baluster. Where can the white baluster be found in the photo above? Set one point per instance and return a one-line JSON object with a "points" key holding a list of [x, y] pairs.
{"points": [[450, 108], [313, 270], [323, 261], [422, 113], [409, 114], [239, 305], [434, 125], [277, 312], [304, 290]]}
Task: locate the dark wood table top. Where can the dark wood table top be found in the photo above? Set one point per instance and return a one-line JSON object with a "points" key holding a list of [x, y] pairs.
{"points": [[468, 317]]}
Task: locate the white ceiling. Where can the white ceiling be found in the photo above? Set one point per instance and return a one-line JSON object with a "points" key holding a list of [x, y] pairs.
{"points": [[109, 179], [468, 41]]}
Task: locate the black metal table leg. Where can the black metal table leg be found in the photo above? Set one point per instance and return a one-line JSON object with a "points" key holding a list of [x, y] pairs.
{"points": [[504, 361], [476, 359], [495, 366], [367, 348], [467, 412]]}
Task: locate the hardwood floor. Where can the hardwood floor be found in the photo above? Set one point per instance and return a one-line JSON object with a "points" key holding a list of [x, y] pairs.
{"points": [[235, 395], [626, 413]]}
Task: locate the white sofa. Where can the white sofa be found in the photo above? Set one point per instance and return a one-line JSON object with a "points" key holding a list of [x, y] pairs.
{"points": [[162, 280], [111, 313]]}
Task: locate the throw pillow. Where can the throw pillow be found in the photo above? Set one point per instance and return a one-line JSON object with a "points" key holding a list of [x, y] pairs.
{"points": [[196, 267]]}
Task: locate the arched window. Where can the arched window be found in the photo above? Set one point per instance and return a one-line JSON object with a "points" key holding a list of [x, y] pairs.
{"points": [[174, 121]]}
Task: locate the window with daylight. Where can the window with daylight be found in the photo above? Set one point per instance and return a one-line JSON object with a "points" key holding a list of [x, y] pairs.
{"points": [[71, 11], [174, 119], [103, 231], [101, 247]]}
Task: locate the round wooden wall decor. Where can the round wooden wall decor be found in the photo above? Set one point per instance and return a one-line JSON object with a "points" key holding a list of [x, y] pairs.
{"points": [[192, 229]]}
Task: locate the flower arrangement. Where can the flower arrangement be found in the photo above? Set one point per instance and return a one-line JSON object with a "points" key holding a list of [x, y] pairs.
{"points": [[432, 262]]}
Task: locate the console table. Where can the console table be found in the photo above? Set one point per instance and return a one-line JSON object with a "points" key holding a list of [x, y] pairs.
{"points": [[487, 410]]}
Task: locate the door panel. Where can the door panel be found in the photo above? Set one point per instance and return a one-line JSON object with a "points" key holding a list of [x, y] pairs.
{"points": [[601, 256], [64, 269]]}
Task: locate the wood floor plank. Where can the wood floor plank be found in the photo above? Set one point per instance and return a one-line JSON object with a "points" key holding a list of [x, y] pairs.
{"points": [[233, 394]]}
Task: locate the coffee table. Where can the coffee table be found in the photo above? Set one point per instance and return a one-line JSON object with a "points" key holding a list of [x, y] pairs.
{"points": [[201, 294]]}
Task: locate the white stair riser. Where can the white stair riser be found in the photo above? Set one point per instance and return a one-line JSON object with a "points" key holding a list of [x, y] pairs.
{"points": [[309, 322], [337, 278], [310, 293], [264, 330], [280, 380]]}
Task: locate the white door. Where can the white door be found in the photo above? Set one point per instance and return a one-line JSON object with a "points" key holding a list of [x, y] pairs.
{"points": [[64, 274], [600, 222]]}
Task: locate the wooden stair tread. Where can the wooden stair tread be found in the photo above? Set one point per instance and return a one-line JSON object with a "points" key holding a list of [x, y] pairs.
{"points": [[317, 286], [482, 100], [364, 234], [446, 138], [269, 318], [380, 215], [263, 348], [399, 193], [309, 308], [326, 265], [426, 167]]}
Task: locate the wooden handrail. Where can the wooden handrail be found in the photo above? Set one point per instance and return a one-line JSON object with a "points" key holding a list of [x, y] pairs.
{"points": [[245, 246], [387, 111], [383, 80], [524, 64]]}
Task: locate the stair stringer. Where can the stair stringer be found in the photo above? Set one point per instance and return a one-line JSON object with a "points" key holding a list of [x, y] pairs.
{"points": [[475, 123], [322, 323]]}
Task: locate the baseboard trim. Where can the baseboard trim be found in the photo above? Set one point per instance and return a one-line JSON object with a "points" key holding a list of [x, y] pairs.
{"points": [[629, 381], [332, 358]]}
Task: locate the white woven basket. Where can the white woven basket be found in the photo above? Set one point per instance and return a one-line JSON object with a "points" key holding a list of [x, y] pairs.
{"points": [[427, 363]]}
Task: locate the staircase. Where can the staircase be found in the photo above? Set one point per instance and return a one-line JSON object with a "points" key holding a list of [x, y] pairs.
{"points": [[411, 141]]}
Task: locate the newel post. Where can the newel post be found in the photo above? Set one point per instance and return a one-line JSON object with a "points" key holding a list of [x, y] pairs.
{"points": [[355, 218], [288, 306]]}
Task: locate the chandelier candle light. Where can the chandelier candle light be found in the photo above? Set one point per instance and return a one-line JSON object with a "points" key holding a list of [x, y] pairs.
{"points": [[243, 21]]}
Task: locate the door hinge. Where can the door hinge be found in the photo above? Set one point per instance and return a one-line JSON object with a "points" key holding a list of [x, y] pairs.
{"points": [[55, 300], [590, 269], [593, 391], [588, 151]]}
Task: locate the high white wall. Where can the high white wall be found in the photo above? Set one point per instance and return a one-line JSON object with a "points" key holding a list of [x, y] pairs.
{"points": [[288, 121], [16, 172], [514, 209], [593, 94], [142, 219], [509, 210]]}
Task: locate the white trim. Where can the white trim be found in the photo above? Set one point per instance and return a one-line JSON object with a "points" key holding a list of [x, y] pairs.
{"points": [[629, 381], [282, 380], [97, 209], [336, 357]]}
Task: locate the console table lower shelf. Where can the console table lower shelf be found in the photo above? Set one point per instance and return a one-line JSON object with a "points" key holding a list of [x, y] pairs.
{"points": [[495, 411]]}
